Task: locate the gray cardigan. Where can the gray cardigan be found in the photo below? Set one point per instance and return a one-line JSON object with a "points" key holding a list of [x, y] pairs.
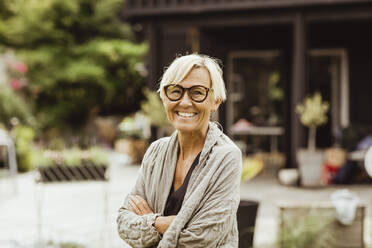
{"points": [[208, 214]]}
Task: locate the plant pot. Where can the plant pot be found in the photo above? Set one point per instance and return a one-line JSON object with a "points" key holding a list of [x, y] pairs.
{"points": [[310, 165], [63, 173], [246, 216]]}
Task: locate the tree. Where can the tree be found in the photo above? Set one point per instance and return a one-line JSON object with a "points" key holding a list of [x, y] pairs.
{"points": [[82, 60]]}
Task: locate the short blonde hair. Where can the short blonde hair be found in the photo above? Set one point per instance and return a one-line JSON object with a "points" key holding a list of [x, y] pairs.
{"points": [[182, 65]]}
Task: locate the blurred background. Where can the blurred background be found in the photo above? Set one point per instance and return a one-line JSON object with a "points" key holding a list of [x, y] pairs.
{"points": [[78, 109]]}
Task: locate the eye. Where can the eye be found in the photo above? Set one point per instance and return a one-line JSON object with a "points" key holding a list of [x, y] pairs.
{"points": [[174, 90], [198, 92]]}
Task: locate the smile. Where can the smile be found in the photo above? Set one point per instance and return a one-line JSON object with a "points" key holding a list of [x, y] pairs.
{"points": [[185, 114]]}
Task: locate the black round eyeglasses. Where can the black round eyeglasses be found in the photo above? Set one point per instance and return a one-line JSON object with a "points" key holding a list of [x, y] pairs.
{"points": [[175, 92]]}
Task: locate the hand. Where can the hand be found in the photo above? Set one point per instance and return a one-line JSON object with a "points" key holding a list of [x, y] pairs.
{"points": [[163, 222], [139, 206]]}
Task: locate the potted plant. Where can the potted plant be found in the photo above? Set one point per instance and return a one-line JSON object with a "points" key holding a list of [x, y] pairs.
{"points": [[312, 113]]}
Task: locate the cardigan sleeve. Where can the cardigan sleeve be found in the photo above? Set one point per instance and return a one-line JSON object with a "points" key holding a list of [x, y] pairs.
{"points": [[136, 230], [210, 226]]}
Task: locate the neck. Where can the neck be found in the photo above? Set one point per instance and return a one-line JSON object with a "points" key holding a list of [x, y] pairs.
{"points": [[191, 143]]}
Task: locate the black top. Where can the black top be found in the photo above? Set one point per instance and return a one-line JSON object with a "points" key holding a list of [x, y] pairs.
{"points": [[175, 198]]}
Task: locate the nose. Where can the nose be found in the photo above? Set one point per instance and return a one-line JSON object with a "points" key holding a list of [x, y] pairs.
{"points": [[186, 100]]}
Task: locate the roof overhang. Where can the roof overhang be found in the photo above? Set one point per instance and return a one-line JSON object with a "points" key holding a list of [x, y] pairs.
{"points": [[138, 9]]}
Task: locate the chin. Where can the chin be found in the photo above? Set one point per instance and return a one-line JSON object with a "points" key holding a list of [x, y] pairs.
{"points": [[183, 127]]}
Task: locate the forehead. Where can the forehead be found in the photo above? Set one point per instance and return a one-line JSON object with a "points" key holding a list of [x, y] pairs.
{"points": [[197, 76]]}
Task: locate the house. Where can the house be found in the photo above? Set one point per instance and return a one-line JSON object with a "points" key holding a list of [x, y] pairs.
{"points": [[274, 53]]}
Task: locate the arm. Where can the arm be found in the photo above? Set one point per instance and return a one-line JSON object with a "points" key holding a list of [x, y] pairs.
{"points": [[138, 230], [216, 216], [139, 206]]}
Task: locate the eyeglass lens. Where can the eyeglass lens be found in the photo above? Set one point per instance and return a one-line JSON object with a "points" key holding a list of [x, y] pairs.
{"points": [[197, 93]]}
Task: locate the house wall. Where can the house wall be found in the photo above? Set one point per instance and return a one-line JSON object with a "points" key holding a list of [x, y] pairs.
{"points": [[356, 38], [217, 39]]}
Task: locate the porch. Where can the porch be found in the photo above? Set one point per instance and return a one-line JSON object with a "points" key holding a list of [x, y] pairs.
{"points": [[274, 54]]}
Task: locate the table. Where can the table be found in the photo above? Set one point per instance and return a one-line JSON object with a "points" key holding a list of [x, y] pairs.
{"points": [[272, 131]]}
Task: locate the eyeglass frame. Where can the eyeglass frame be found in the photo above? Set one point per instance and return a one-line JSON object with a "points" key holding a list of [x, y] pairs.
{"points": [[188, 92]]}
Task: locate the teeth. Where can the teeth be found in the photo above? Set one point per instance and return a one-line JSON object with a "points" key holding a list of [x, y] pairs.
{"points": [[184, 114]]}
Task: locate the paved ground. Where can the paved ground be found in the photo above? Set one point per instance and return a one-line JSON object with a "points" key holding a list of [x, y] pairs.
{"points": [[77, 211], [266, 189]]}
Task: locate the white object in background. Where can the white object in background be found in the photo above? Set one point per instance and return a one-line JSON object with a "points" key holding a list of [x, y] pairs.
{"points": [[288, 177], [368, 161], [346, 204], [6, 140]]}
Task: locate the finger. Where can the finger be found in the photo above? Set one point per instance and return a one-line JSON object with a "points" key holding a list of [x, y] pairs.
{"points": [[136, 202], [140, 202], [135, 208], [132, 206], [143, 204]]}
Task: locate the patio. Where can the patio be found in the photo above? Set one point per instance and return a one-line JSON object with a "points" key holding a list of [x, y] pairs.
{"points": [[75, 212]]}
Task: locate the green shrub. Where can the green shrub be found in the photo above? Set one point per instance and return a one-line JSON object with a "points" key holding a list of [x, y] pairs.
{"points": [[98, 156], [69, 157], [153, 108], [14, 106], [24, 137], [306, 231], [82, 60]]}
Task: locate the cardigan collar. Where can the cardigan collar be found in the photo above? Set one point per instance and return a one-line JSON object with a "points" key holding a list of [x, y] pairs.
{"points": [[212, 135], [168, 160]]}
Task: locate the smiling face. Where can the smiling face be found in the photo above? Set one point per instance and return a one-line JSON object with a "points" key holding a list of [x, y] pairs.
{"points": [[186, 115]]}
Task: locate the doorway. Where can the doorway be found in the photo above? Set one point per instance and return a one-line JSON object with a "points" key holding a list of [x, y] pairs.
{"points": [[328, 74], [256, 97]]}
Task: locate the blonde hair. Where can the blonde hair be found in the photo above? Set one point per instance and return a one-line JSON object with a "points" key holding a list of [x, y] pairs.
{"points": [[182, 65]]}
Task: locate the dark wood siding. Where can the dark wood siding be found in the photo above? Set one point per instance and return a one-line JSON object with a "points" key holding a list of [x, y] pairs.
{"points": [[142, 8], [356, 37]]}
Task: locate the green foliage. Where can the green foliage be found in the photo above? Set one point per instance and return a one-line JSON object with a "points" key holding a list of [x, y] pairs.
{"points": [[313, 111], [24, 137], [70, 157], [153, 108], [12, 105], [82, 60], [306, 231], [97, 156], [39, 159]]}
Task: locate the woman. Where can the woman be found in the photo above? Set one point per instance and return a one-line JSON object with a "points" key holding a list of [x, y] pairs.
{"points": [[187, 191]]}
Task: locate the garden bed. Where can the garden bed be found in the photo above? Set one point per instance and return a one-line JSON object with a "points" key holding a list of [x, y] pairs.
{"points": [[71, 165], [62, 173], [303, 225]]}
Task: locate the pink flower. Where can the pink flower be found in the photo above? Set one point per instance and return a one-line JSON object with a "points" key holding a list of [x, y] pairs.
{"points": [[16, 84], [21, 67]]}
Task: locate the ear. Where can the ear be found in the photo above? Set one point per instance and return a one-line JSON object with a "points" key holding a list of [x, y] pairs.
{"points": [[216, 104]]}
